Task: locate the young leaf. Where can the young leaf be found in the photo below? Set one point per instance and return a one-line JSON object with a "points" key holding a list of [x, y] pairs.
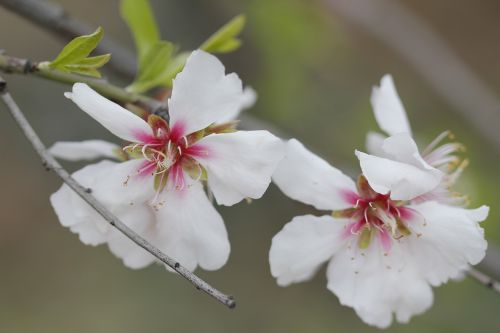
{"points": [[88, 66], [141, 22], [165, 77], [78, 49], [95, 62], [155, 62], [224, 40]]}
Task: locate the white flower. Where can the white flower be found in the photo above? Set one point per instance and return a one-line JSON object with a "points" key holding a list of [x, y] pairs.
{"points": [[383, 254], [395, 162], [159, 191]]}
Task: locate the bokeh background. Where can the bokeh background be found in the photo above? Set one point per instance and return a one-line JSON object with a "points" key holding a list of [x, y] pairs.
{"points": [[313, 69]]}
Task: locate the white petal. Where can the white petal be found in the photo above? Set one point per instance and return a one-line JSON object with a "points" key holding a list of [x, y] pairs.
{"points": [[305, 177], [402, 171], [106, 182], [240, 164], [119, 121], [123, 186], [389, 111], [449, 241], [76, 214], [377, 286], [302, 246], [374, 142], [247, 100], [190, 229], [84, 150], [203, 94], [140, 219]]}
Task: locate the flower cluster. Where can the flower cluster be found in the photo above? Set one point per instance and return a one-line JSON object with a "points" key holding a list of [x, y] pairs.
{"points": [[391, 235]]}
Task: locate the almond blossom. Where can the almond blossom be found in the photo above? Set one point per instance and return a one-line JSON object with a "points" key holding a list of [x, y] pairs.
{"points": [[388, 239], [158, 188]]}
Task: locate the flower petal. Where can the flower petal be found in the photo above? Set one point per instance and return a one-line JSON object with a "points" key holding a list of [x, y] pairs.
{"points": [[374, 142], [105, 179], [119, 121], [305, 177], [402, 171], [190, 229], [302, 246], [76, 214], [449, 240], [376, 285], [140, 219], [84, 150], [389, 111], [240, 164], [203, 94], [247, 101]]}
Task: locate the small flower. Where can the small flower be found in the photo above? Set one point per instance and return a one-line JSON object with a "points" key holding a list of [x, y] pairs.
{"points": [[433, 172], [166, 163], [387, 241]]}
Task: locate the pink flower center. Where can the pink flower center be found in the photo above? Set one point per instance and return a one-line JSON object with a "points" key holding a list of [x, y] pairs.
{"points": [[167, 154], [375, 215]]}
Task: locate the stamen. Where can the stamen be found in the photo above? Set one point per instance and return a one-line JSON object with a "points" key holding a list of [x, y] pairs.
{"points": [[366, 216], [357, 203], [186, 144], [436, 141], [200, 174]]}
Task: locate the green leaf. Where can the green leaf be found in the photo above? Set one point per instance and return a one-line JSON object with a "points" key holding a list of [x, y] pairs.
{"points": [[87, 66], [165, 78], [95, 62], [78, 49], [224, 40], [155, 63], [140, 19], [83, 70], [174, 67]]}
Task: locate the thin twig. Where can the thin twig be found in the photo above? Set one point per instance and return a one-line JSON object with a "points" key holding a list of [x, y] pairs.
{"points": [[51, 164], [484, 279], [54, 18], [13, 65]]}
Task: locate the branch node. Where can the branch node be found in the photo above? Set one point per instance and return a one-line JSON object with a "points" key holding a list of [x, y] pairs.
{"points": [[46, 166], [3, 86]]}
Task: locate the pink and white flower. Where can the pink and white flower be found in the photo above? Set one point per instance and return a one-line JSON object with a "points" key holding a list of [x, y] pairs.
{"points": [[159, 190], [387, 241]]}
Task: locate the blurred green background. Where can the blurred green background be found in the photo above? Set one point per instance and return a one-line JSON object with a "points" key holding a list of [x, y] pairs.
{"points": [[313, 73]]}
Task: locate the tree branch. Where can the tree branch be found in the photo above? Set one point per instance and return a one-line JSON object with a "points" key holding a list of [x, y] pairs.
{"points": [[54, 18], [484, 279], [51, 164], [13, 65]]}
